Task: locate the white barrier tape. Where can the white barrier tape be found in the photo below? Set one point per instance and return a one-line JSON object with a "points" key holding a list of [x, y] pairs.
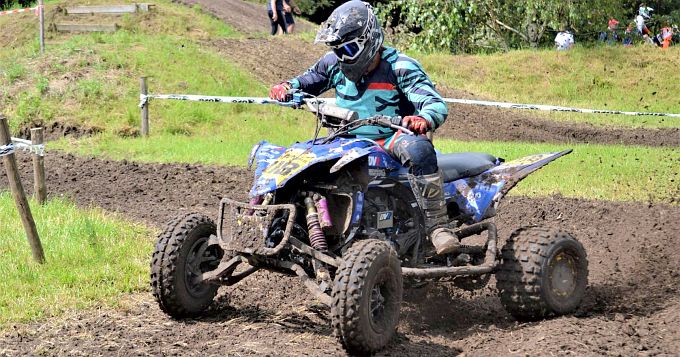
{"points": [[144, 99], [552, 108], [6, 150], [17, 11], [27, 146]]}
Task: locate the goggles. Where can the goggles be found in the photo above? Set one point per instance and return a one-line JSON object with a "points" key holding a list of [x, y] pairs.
{"points": [[350, 50]]}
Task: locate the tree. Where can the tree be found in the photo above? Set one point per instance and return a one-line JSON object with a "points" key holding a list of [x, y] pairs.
{"points": [[431, 24], [474, 25], [526, 22]]}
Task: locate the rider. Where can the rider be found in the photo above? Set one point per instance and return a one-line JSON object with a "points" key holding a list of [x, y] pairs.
{"points": [[372, 79]]}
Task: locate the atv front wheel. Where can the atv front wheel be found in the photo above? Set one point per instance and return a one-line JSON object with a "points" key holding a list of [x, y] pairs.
{"points": [[182, 254], [543, 272], [366, 296]]}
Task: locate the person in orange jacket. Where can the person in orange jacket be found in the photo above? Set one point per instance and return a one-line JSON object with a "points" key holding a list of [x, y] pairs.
{"points": [[666, 36]]}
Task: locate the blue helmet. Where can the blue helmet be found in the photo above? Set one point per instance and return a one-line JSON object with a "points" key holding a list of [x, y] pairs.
{"points": [[353, 33]]}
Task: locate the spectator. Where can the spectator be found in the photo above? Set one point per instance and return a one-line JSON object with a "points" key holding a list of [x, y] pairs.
{"points": [[611, 35], [276, 16], [644, 13], [564, 40], [289, 7], [666, 36], [628, 35]]}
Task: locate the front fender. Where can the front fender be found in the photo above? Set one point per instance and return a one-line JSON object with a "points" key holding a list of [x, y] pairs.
{"points": [[276, 165]]}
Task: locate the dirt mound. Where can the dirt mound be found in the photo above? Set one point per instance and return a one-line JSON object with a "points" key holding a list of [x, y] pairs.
{"points": [[631, 305]]}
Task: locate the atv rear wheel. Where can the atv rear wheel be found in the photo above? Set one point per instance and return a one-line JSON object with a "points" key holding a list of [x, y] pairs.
{"points": [[366, 296], [543, 272], [181, 255]]}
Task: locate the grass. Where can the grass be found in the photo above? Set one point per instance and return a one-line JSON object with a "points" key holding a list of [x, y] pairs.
{"points": [[91, 260], [87, 81], [188, 139], [606, 172], [630, 79]]}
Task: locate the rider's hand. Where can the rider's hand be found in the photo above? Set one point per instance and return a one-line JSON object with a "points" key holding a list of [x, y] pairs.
{"points": [[280, 91], [416, 124]]}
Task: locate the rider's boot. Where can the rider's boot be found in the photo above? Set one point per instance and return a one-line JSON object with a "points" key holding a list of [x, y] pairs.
{"points": [[429, 192]]}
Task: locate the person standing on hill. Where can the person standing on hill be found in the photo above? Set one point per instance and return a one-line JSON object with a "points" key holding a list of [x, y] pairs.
{"points": [[289, 8], [372, 79], [276, 16]]}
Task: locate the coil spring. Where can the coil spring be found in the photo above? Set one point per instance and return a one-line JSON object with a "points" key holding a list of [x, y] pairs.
{"points": [[316, 237]]}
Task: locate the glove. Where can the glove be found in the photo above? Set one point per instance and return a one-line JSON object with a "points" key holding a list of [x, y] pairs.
{"points": [[280, 92], [416, 124]]}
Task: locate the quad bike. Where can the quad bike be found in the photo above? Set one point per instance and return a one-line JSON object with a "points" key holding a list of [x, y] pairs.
{"points": [[339, 213]]}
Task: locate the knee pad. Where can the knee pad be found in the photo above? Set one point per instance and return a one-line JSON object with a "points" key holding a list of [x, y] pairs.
{"points": [[416, 153]]}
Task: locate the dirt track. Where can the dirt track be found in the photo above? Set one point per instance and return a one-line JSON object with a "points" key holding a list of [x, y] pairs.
{"points": [[632, 305]]}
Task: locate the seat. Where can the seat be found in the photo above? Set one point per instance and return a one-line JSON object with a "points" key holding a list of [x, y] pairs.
{"points": [[465, 164]]}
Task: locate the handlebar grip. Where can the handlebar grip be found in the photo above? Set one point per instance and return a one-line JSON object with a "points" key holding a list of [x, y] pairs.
{"points": [[396, 120], [332, 111]]}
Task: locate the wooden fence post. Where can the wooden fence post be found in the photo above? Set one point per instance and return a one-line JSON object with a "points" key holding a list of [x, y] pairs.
{"points": [[145, 107], [41, 11], [39, 187], [19, 195]]}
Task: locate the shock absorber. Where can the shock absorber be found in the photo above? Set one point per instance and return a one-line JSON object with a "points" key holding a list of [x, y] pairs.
{"points": [[316, 237], [322, 209]]}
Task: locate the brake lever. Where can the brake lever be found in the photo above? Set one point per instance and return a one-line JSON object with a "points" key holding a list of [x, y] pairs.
{"points": [[297, 99], [390, 122]]}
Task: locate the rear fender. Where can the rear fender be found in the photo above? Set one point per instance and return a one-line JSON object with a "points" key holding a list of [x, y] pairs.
{"points": [[478, 196]]}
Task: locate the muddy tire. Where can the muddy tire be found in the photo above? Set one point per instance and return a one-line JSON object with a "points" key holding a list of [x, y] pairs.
{"points": [[181, 255], [543, 273], [366, 296]]}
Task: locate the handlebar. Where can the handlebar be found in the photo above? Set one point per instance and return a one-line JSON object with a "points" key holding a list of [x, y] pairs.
{"points": [[347, 119]]}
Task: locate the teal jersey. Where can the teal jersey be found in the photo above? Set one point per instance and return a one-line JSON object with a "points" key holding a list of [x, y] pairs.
{"points": [[398, 86]]}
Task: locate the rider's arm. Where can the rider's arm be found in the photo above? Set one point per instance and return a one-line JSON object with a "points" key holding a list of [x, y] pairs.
{"points": [[419, 90], [319, 78]]}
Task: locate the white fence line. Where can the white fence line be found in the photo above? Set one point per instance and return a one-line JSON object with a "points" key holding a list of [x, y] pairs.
{"points": [[40, 12], [18, 11], [553, 108], [27, 146], [144, 98]]}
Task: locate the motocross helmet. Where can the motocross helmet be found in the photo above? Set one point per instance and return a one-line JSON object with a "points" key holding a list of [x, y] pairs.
{"points": [[645, 11], [353, 33]]}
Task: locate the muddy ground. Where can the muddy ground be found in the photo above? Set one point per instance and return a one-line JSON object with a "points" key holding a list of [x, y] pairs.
{"points": [[632, 306]]}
